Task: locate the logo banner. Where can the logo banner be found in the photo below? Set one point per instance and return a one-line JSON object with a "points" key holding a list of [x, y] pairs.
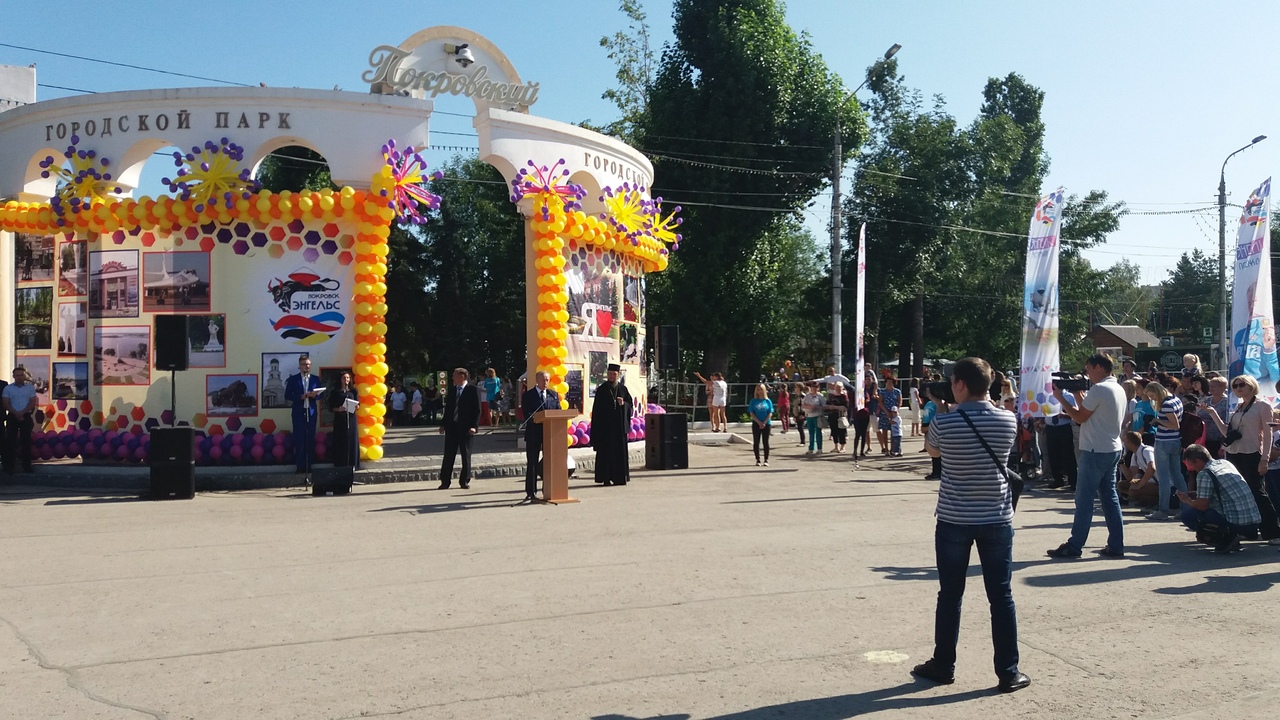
{"points": [[1253, 329], [1040, 310], [860, 319]]}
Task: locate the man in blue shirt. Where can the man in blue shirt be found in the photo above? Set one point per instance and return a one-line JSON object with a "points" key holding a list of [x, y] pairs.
{"points": [[302, 389], [975, 506]]}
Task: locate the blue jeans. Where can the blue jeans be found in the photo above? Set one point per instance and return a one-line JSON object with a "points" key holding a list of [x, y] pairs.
{"points": [[815, 434], [1193, 518], [1096, 476], [995, 552], [895, 444], [1169, 470]]}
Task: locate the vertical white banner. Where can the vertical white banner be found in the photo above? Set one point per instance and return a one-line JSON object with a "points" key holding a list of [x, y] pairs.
{"points": [[859, 323], [1040, 309], [1253, 328]]}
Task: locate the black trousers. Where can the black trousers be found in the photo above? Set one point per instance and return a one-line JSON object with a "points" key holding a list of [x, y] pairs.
{"points": [[1062, 452], [340, 445], [456, 440], [760, 435], [532, 467], [17, 442], [1247, 464]]}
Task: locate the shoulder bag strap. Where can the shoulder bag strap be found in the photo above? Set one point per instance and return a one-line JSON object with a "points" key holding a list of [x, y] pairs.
{"points": [[1003, 470]]}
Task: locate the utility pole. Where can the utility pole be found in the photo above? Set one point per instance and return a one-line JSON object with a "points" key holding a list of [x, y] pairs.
{"points": [[837, 244], [1223, 355]]}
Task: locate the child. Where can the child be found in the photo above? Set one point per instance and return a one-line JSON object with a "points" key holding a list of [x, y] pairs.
{"points": [[926, 416], [895, 435], [861, 433], [915, 409], [784, 407], [1138, 478]]}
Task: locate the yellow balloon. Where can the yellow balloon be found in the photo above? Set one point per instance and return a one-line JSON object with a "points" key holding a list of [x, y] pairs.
{"points": [[381, 328], [374, 453]]}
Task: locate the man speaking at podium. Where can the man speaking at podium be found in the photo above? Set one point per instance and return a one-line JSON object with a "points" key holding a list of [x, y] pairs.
{"points": [[537, 398]]}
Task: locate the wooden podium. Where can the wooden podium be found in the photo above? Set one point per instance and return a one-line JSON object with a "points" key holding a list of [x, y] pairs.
{"points": [[555, 454]]}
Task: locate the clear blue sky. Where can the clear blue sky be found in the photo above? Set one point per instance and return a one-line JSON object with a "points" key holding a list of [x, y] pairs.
{"points": [[1144, 100]]}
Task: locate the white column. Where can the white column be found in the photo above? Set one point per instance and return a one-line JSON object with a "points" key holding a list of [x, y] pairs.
{"points": [[7, 297]]}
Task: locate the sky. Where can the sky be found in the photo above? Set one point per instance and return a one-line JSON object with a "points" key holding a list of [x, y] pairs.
{"points": [[1143, 100]]}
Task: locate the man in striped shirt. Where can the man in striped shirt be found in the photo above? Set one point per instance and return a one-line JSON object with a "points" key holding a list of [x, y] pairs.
{"points": [[975, 506]]}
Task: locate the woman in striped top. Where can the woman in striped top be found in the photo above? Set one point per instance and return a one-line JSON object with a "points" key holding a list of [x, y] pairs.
{"points": [[1168, 447]]}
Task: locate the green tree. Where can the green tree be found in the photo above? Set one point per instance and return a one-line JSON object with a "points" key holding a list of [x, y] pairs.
{"points": [[1189, 297], [468, 307], [294, 168], [738, 88], [632, 53]]}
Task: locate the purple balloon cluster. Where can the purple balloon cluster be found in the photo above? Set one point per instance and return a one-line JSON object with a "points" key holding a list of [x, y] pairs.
{"points": [[247, 448], [580, 432], [534, 180], [87, 178], [197, 168]]}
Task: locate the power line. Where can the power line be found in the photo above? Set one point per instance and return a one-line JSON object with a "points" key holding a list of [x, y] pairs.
{"points": [[63, 87], [123, 65]]}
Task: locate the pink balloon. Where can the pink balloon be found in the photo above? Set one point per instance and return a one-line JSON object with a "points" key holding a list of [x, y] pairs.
{"points": [[277, 452], [236, 452], [257, 452], [46, 453], [215, 452]]}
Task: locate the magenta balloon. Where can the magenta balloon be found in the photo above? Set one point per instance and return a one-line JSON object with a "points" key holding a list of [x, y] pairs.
{"points": [[215, 452], [257, 452], [122, 452], [236, 452], [277, 452], [46, 453], [73, 450]]}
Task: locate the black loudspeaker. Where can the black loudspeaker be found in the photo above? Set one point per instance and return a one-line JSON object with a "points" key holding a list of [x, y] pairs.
{"points": [[173, 348], [173, 464], [666, 441], [332, 481], [668, 347]]}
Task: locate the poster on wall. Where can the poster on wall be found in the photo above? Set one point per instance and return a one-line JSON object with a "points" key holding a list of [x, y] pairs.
{"points": [[592, 287], [33, 312], [33, 257], [175, 282], [231, 395], [631, 299], [113, 284], [629, 343], [597, 366], [122, 355], [573, 378], [37, 374], [70, 381], [276, 368], [73, 269], [207, 338], [72, 321]]}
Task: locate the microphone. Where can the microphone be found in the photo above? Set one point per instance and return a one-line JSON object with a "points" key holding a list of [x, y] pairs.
{"points": [[541, 406]]}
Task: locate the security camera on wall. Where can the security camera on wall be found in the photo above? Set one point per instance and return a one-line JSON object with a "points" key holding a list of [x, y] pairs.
{"points": [[462, 54]]}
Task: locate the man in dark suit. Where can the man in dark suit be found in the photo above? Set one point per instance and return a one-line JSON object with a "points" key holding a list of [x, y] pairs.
{"points": [[460, 421], [302, 388], [537, 398]]}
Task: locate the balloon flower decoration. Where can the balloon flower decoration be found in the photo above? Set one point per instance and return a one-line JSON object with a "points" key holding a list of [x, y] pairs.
{"points": [[663, 229], [86, 182], [551, 188], [407, 173], [211, 175], [626, 211]]}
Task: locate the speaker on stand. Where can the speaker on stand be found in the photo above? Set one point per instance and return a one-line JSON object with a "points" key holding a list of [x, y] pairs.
{"points": [[668, 347], [172, 454], [666, 441]]}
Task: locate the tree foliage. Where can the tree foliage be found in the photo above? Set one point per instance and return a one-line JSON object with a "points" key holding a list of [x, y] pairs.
{"points": [[739, 89], [632, 54]]}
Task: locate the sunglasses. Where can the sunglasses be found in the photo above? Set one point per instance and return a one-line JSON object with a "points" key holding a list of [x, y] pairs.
{"points": [[1237, 386]]}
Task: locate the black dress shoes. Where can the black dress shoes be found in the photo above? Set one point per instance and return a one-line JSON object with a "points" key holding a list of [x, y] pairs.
{"points": [[1014, 683], [443, 486], [933, 672], [465, 485]]}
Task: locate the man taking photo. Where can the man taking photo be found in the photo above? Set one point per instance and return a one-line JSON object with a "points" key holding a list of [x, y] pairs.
{"points": [[975, 506], [1100, 412]]}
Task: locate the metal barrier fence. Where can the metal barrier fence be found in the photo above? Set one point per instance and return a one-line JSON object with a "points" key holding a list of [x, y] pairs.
{"points": [[691, 398]]}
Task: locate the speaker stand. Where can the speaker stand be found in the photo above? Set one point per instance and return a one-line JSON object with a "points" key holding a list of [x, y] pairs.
{"points": [[173, 398]]}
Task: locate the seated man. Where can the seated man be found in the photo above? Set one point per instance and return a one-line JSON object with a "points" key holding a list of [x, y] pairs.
{"points": [[1222, 498], [1138, 479]]}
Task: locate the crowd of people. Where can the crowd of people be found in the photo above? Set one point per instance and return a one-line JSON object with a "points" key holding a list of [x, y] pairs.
{"points": [[412, 404]]}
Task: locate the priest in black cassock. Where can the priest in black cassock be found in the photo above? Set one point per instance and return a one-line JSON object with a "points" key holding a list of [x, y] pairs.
{"points": [[610, 420]]}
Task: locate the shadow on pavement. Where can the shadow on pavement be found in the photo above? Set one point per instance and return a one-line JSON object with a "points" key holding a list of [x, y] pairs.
{"points": [[841, 706], [817, 497], [432, 508], [100, 500]]}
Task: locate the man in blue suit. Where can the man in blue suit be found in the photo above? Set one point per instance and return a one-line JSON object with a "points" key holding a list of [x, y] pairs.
{"points": [[539, 397], [302, 389]]}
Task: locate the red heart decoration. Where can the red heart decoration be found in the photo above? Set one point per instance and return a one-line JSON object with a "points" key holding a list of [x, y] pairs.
{"points": [[604, 321]]}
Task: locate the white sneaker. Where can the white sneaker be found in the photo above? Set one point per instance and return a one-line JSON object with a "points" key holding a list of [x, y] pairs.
{"points": [[1158, 515], [766, 464], [757, 463]]}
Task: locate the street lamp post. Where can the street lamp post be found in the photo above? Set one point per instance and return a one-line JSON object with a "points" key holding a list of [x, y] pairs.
{"points": [[1222, 255], [837, 279]]}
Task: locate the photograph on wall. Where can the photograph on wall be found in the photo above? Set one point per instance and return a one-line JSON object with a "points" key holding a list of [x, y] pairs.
{"points": [[122, 355], [631, 302], [33, 257], [231, 395], [71, 381], [597, 366], [573, 378], [37, 374], [207, 336], [73, 318], [73, 268], [328, 376], [113, 284], [276, 368], [175, 282], [629, 343], [592, 286], [33, 317]]}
